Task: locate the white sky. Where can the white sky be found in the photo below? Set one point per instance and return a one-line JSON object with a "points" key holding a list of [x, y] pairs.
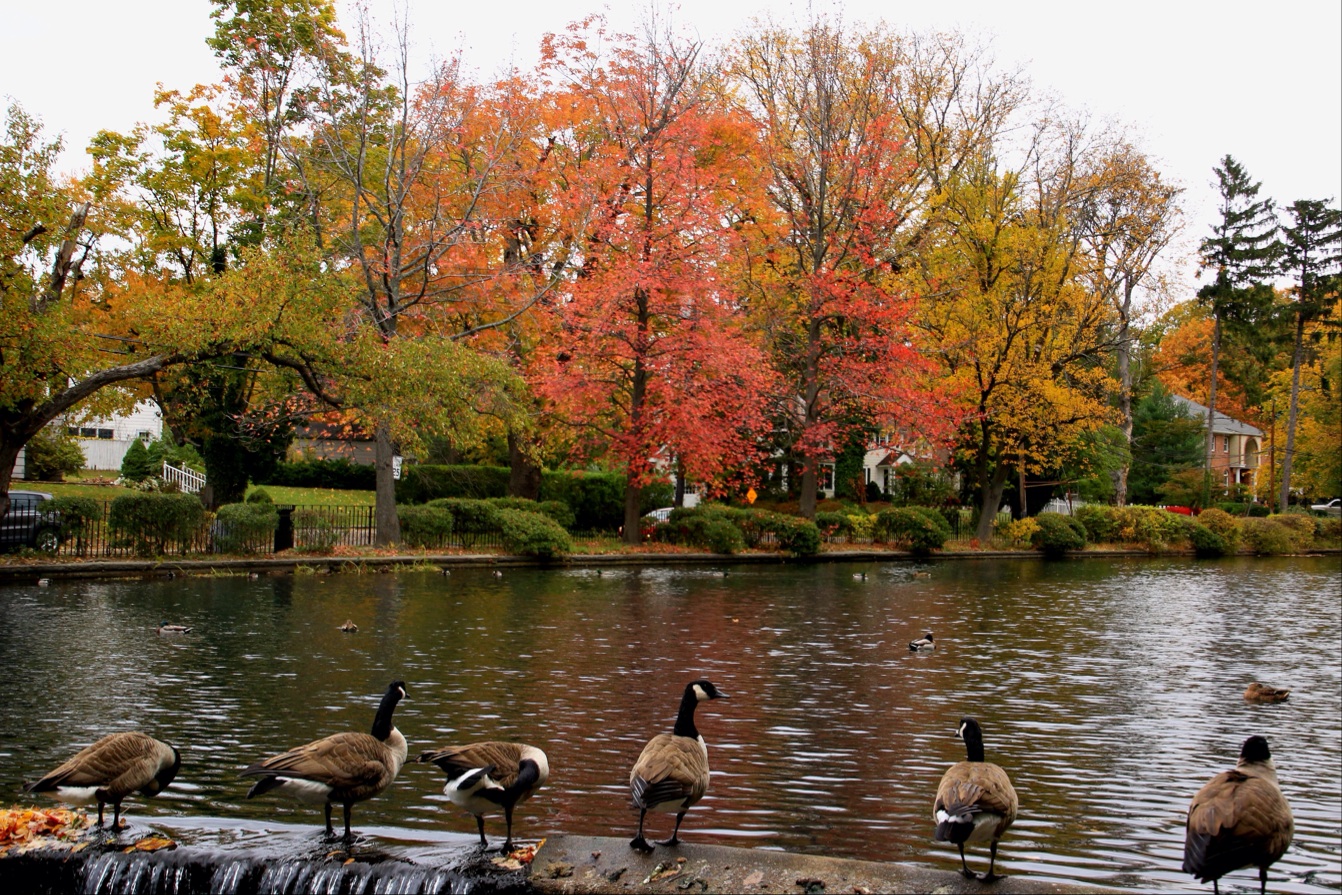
{"points": [[1192, 80]]}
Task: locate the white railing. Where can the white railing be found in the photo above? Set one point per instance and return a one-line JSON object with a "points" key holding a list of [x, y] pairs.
{"points": [[188, 480]]}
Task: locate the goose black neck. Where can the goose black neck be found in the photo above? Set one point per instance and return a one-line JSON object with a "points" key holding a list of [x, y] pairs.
{"points": [[974, 744], [382, 725], [685, 718]]}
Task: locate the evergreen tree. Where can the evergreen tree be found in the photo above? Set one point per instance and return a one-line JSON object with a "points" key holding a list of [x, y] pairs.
{"points": [[136, 466], [1311, 252], [1242, 253], [1166, 441]]}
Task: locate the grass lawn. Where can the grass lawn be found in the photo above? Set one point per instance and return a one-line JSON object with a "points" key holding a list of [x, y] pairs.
{"points": [[97, 484]]}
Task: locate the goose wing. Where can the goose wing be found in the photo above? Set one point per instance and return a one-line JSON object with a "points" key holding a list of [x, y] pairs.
{"points": [[343, 761], [120, 763], [973, 787], [670, 769], [1236, 820]]}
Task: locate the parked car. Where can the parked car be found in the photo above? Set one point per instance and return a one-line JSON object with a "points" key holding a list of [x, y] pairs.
{"points": [[1331, 508], [28, 524]]}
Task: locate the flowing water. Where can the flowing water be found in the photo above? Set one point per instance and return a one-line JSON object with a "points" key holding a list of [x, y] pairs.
{"points": [[1109, 690]]}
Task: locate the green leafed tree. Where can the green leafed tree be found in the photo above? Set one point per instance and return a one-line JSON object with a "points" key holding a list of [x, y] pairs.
{"points": [[1312, 256]]}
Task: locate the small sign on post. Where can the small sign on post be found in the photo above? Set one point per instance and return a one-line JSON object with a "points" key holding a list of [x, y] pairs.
{"points": [[396, 467]]}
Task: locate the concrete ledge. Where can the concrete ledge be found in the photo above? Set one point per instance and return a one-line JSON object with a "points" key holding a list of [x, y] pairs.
{"points": [[572, 865]]}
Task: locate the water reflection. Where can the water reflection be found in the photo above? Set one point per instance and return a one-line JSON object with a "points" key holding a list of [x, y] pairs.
{"points": [[1109, 690]]}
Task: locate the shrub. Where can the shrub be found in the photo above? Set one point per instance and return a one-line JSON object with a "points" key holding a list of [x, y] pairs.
{"points": [[425, 526], [1301, 530], [79, 516], [136, 466], [52, 455], [721, 536], [425, 483], [1099, 522], [148, 522], [555, 509], [259, 495], [532, 534], [340, 474], [832, 523], [1266, 537], [799, 537], [314, 530], [471, 519], [1057, 534], [861, 527], [911, 529], [1224, 524], [1329, 531], [245, 528], [596, 498], [1207, 542], [1019, 532]]}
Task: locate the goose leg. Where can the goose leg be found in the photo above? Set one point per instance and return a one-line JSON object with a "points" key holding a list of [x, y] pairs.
{"points": [[508, 818], [675, 834], [992, 862], [330, 831], [1262, 881], [348, 808], [964, 868], [480, 823], [100, 813], [638, 843], [116, 815]]}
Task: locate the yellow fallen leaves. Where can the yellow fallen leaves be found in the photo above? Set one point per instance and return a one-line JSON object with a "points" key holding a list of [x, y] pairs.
{"points": [[151, 843], [23, 829]]}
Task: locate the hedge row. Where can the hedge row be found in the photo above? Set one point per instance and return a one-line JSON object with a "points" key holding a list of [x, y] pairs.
{"points": [[729, 530], [525, 531], [594, 500], [338, 474], [1214, 532]]}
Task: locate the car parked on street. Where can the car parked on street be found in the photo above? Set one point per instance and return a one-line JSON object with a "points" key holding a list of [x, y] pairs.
{"points": [[1331, 508], [29, 524]]}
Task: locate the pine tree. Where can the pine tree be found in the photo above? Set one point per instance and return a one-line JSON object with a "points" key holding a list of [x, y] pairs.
{"points": [[1242, 252], [135, 466], [1311, 252]]}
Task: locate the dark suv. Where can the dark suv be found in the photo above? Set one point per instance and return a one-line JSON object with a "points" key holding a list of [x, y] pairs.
{"points": [[27, 524]]}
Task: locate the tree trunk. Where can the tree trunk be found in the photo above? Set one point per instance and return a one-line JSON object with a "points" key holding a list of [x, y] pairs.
{"points": [[1211, 413], [633, 499], [994, 487], [524, 474], [1285, 499], [1124, 360], [388, 527]]}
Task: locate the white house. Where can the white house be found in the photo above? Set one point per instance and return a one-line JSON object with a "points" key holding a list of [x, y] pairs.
{"points": [[105, 441]]}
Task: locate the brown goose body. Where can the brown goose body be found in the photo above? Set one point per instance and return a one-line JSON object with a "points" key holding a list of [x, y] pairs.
{"points": [[1238, 819], [671, 773], [975, 801], [343, 768], [111, 769], [491, 777], [1257, 692]]}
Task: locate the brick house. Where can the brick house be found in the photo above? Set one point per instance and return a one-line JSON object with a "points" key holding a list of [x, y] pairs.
{"points": [[1235, 445]]}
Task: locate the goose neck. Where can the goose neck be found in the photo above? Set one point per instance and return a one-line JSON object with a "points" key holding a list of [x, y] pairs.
{"points": [[685, 717], [382, 726]]}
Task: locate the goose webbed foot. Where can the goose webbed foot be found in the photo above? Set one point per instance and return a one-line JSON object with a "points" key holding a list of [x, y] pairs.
{"points": [[669, 843], [968, 874], [990, 877], [507, 848], [639, 844]]}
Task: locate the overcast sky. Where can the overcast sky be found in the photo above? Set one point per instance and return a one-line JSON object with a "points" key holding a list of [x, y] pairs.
{"points": [[1192, 80]]}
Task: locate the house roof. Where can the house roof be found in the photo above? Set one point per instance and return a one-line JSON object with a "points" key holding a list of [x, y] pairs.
{"points": [[1221, 424]]}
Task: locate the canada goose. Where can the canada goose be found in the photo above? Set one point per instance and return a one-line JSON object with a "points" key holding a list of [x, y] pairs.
{"points": [[349, 627], [1240, 818], [111, 769], [165, 628], [484, 778], [923, 645], [1262, 693], [498, 573], [344, 767], [975, 801], [671, 774]]}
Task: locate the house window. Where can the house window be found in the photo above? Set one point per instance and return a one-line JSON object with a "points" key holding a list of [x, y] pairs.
{"points": [[827, 477], [866, 471], [106, 434], [145, 435], [88, 432], [1225, 443]]}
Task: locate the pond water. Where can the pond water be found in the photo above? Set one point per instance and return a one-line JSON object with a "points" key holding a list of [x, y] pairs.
{"points": [[1110, 690]]}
